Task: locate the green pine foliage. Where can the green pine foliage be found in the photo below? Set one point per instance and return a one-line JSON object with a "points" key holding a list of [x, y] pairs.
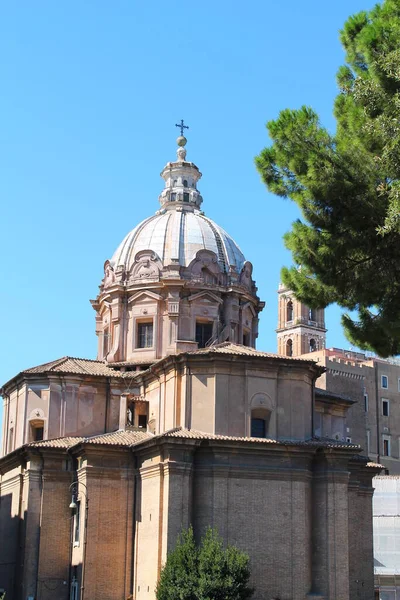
{"points": [[205, 572], [346, 249]]}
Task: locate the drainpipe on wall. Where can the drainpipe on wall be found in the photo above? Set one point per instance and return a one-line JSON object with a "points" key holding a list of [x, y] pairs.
{"points": [[108, 396], [135, 483], [313, 407], [378, 441]]}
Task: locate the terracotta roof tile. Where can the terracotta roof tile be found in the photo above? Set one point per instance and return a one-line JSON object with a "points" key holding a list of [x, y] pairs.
{"points": [[119, 438], [115, 438], [315, 442], [239, 350], [333, 395], [131, 438], [80, 366], [62, 442]]}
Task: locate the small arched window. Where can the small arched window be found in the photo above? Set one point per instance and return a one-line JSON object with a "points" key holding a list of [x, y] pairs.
{"points": [[289, 311], [130, 414], [313, 345], [289, 348], [185, 183]]}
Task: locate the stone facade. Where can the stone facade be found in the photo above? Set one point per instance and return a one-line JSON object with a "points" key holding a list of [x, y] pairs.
{"points": [[181, 421], [137, 489]]}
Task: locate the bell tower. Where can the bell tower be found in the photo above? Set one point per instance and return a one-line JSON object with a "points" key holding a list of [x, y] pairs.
{"points": [[301, 329]]}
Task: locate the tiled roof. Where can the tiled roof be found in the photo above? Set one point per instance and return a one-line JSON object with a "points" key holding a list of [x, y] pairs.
{"points": [[131, 438], [81, 366], [200, 435], [119, 438], [61, 442], [239, 350], [328, 394], [115, 438]]}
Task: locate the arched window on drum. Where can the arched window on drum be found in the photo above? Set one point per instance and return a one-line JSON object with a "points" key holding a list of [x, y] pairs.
{"points": [[289, 311]]}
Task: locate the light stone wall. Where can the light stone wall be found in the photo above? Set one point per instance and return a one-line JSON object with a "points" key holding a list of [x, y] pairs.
{"points": [[63, 405], [219, 397]]}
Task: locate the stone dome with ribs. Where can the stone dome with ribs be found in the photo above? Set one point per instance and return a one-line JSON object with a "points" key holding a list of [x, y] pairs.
{"points": [[176, 236]]}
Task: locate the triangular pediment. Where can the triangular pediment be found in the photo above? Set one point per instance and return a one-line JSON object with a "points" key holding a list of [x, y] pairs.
{"points": [[250, 306], [143, 296], [206, 296]]}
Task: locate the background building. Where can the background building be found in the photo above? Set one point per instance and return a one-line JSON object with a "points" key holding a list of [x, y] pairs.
{"points": [[387, 536], [372, 383]]}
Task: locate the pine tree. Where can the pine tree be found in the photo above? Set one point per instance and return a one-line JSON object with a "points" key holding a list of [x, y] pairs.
{"points": [[207, 572], [179, 577], [347, 186]]}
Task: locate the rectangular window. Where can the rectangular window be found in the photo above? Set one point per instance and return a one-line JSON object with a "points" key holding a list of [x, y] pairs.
{"points": [[384, 382], [74, 589], [38, 434], [203, 333], [386, 446], [145, 335], [246, 339], [185, 197], [258, 428], [142, 421], [385, 407], [365, 402], [77, 523]]}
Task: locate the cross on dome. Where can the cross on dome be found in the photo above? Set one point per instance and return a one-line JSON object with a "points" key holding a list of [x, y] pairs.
{"points": [[182, 126]]}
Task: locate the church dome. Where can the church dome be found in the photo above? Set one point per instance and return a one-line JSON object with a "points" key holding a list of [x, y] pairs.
{"points": [[179, 230], [177, 235]]}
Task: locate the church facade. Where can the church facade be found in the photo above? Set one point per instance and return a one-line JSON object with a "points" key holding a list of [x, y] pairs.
{"points": [[180, 421]]}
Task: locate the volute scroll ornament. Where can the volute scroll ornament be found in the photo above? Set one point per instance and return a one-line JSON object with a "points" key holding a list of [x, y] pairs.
{"points": [[109, 275], [205, 267], [245, 275], [147, 267]]}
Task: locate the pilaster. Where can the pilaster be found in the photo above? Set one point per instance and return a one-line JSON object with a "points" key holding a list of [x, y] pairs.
{"points": [[330, 536]]}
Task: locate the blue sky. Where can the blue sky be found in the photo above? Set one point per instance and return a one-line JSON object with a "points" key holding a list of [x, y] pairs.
{"points": [[90, 95]]}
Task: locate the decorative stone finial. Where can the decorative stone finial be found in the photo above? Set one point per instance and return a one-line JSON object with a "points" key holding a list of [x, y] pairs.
{"points": [[181, 140], [181, 153]]}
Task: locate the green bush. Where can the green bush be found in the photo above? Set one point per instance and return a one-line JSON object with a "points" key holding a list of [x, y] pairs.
{"points": [[205, 572]]}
